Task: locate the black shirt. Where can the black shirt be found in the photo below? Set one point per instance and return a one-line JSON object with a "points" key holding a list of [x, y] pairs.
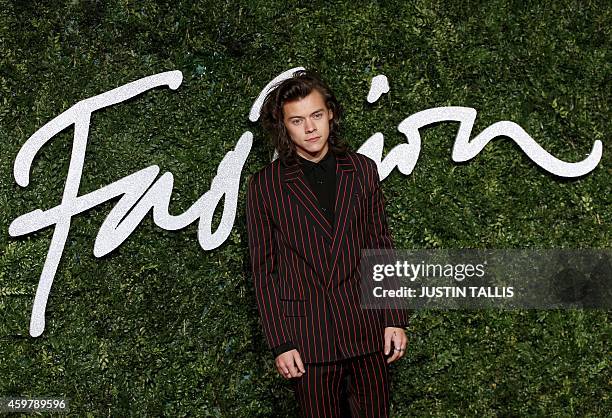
{"points": [[321, 177]]}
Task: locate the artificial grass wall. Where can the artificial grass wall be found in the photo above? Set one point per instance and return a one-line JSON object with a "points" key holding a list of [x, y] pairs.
{"points": [[160, 326]]}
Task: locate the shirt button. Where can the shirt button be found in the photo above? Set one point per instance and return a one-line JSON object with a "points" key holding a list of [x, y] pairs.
{"points": [[320, 181]]}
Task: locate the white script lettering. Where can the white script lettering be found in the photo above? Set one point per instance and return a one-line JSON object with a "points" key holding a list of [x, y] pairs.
{"points": [[140, 192]]}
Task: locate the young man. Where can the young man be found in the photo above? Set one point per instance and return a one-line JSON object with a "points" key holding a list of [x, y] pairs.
{"points": [[309, 214]]}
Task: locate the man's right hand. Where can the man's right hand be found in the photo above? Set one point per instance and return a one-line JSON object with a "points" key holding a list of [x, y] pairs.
{"points": [[289, 364]]}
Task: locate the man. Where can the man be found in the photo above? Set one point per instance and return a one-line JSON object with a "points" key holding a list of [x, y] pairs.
{"points": [[309, 214]]}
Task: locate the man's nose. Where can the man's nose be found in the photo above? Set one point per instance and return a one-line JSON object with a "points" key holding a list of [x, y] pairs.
{"points": [[309, 125]]}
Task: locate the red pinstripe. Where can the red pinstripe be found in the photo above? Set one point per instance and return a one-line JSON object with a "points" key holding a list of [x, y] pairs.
{"points": [[318, 391]]}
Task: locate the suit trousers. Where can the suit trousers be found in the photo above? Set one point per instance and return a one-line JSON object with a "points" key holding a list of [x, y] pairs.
{"points": [[353, 387]]}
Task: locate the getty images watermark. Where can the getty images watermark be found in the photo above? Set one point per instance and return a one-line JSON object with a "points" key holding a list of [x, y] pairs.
{"points": [[477, 279]]}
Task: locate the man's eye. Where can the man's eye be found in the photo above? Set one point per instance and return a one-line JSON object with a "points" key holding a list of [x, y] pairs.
{"points": [[318, 115], [295, 121]]}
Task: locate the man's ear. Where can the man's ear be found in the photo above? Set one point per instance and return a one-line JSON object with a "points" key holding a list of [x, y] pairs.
{"points": [[331, 114]]}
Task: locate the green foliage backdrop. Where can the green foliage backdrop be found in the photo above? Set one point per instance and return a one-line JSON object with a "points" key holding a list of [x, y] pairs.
{"points": [[161, 326]]}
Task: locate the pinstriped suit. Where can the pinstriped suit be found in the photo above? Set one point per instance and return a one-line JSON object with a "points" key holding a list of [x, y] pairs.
{"points": [[306, 271]]}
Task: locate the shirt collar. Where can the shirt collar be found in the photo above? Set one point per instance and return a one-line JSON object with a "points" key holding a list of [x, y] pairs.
{"points": [[327, 163]]}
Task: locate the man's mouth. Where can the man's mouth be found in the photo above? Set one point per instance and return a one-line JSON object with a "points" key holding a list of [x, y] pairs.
{"points": [[313, 139]]}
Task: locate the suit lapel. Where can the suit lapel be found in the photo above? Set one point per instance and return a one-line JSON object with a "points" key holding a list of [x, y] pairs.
{"points": [[346, 199], [300, 190], [298, 186]]}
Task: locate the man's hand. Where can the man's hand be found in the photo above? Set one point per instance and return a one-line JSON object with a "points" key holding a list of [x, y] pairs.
{"points": [[399, 339], [289, 364]]}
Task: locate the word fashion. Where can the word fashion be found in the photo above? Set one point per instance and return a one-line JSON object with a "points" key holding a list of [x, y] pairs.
{"points": [[143, 191]]}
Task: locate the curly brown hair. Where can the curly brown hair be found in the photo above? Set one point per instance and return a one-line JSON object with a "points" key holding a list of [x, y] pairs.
{"points": [[300, 85]]}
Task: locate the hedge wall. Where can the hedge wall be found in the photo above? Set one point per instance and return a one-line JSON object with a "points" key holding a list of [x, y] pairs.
{"points": [[162, 327]]}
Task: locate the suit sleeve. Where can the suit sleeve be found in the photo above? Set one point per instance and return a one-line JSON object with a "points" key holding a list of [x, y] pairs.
{"points": [[379, 237], [283, 348], [262, 248]]}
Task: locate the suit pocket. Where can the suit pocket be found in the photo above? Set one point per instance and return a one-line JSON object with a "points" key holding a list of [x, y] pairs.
{"points": [[294, 307]]}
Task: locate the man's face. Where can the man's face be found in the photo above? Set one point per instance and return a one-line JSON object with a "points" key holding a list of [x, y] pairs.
{"points": [[307, 122]]}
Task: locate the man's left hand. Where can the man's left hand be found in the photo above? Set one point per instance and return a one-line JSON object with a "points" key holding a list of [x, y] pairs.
{"points": [[399, 339]]}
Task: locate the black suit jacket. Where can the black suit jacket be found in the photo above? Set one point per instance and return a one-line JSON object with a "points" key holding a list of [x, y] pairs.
{"points": [[306, 271]]}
